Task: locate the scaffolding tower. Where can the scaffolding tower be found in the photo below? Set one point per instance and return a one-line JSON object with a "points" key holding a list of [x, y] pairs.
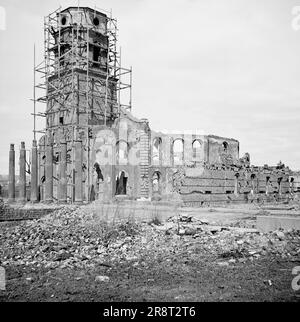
{"points": [[63, 57]]}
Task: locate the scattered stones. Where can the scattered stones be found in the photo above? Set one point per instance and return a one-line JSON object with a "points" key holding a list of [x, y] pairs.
{"points": [[62, 256], [280, 235], [101, 278], [214, 230], [181, 231], [75, 237], [131, 258], [189, 231], [204, 221], [268, 282], [185, 218]]}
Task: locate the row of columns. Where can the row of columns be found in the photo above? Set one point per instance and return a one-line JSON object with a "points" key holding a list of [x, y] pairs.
{"points": [[34, 186]]}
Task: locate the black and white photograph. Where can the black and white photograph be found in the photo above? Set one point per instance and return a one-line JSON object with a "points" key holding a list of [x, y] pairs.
{"points": [[149, 153]]}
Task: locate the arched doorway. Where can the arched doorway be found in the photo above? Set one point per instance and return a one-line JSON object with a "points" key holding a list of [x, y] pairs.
{"points": [[156, 182], [236, 184], [225, 147], [121, 183], [97, 182]]}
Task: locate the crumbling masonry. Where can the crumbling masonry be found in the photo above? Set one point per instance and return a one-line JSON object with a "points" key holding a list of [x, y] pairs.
{"points": [[93, 148]]}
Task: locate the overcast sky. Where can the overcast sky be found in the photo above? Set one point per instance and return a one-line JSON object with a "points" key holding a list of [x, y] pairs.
{"points": [[229, 68]]}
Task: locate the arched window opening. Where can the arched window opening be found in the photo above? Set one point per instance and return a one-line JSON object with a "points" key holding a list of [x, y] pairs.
{"points": [[267, 185], [97, 181], [121, 183], [225, 146], [178, 152], [63, 20], [98, 172], [253, 186], [279, 180], [122, 152], [156, 181], [247, 157], [96, 21], [196, 146], [156, 151]]}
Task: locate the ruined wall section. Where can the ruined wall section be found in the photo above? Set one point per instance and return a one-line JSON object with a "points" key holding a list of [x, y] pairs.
{"points": [[197, 149], [214, 173], [221, 184], [124, 147], [222, 150], [295, 181]]}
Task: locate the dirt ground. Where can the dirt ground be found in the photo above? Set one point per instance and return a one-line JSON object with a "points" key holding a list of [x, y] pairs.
{"points": [[183, 260], [186, 280]]}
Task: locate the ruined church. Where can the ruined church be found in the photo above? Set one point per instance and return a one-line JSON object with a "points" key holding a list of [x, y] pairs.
{"points": [[94, 148]]}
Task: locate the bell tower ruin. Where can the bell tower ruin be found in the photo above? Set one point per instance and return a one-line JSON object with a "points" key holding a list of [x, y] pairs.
{"points": [[81, 71], [81, 83]]}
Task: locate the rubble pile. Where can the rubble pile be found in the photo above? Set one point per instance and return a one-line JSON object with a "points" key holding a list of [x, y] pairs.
{"points": [[234, 243], [75, 237], [3, 206], [68, 236]]}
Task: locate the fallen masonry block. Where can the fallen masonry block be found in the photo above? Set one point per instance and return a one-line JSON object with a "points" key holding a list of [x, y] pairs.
{"points": [[270, 223], [100, 278]]}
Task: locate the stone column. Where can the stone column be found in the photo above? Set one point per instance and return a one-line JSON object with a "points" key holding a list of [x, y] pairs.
{"points": [[78, 172], [34, 173], [49, 172], [22, 174], [144, 159], [109, 184], [187, 149], [11, 176], [62, 184], [207, 150]]}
